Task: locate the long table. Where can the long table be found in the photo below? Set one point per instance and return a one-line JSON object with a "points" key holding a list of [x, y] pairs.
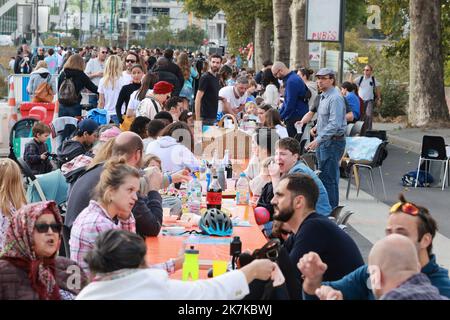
{"points": [[164, 247]]}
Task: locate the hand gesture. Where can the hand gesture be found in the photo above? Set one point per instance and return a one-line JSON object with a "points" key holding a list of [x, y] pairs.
{"points": [[328, 293], [274, 170], [313, 132], [181, 176], [262, 268], [154, 178], [312, 267]]}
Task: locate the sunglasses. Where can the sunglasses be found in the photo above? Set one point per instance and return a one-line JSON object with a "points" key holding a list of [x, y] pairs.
{"points": [[104, 52], [43, 227], [130, 61], [405, 207]]}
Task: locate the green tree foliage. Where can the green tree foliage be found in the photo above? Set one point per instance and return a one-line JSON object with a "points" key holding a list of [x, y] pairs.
{"points": [[192, 36], [159, 34], [202, 9]]}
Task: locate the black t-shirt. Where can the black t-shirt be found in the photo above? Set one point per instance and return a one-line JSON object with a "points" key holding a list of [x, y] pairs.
{"points": [[209, 84], [335, 247]]}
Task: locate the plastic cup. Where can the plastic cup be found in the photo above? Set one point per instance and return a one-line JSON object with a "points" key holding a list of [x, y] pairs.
{"points": [[219, 267], [299, 128]]}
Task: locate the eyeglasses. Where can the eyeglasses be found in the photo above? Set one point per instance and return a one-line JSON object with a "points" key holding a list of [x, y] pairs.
{"points": [[405, 207], [130, 61], [43, 227]]}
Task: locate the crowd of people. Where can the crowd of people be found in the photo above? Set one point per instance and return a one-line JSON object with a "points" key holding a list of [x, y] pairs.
{"points": [[116, 172]]}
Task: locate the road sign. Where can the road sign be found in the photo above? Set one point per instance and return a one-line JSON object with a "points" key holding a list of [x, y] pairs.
{"points": [[363, 59]]}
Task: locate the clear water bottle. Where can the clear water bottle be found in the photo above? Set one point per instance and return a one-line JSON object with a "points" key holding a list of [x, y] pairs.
{"points": [[194, 196], [242, 190]]}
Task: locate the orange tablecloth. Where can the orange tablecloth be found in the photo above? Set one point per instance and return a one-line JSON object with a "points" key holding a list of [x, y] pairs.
{"points": [[162, 248]]}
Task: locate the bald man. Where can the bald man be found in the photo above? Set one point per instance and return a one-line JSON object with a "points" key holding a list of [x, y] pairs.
{"points": [[295, 104]]}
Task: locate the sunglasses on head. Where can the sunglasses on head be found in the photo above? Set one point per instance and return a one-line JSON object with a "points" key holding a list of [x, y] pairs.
{"points": [[405, 207], [43, 227]]}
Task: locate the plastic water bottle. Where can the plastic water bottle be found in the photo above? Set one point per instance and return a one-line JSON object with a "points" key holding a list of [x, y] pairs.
{"points": [[242, 190], [194, 196]]}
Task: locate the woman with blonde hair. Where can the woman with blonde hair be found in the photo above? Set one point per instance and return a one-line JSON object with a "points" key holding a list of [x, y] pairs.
{"points": [[110, 86], [12, 195], [74, 70]]}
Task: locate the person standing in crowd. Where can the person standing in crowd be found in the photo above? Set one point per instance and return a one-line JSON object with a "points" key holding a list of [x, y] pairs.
{"points": [[73, 69], [189, 75], [294, 105], [232, 98], [267, 64], [369, 91], [25, 64], [40, 75], [155, 101], [330, 133], [39, 56], [306, 74], [12, 195], [206, 101], [110, 86], [60, 55], [94, 70], [36, 151], [127, 91], [174, 106], [271, 86], [52, 61], [130, 61], [30, 268]]}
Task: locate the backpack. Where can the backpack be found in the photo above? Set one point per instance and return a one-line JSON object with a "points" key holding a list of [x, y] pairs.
{"points": [[144, 108], [425, 179], [98, 115], [43, 93], [67, 94]]}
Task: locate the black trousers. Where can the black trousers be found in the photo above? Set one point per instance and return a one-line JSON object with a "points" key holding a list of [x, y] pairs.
{"points": [[290, 126]]}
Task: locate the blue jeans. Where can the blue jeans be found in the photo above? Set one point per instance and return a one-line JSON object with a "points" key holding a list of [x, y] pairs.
{"points": [[69, 111], [114, 119], [93, 100], [329, 154]]}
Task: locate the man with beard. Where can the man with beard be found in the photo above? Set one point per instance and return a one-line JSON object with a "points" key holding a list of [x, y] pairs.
{"points": [[81, 143], [405, 218], [206, 101], [294, 203], [233, 97]]}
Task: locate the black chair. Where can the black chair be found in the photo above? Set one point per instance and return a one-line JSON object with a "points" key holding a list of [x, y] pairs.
{"points": [[380, 134], [433, 149], [376, 162]]}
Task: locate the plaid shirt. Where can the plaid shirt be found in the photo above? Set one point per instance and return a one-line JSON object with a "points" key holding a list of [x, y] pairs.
{"points": [[417, 287], [92, 221]]}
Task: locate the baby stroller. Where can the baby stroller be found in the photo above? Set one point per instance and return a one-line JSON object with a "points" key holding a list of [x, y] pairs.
{"points": [[63, 128], [20, 135], [43, 187]]}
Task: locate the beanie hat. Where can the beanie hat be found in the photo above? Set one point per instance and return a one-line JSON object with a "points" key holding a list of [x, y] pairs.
{"points": [[162, 87]]}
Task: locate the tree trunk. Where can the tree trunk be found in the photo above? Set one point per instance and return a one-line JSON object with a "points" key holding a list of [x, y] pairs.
{"points": [[427, 103], [263, 51], [299, 47], [282, 30]]}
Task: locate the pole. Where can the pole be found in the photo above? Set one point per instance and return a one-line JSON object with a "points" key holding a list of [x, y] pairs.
{"points": [[342, 42], [111, 28], [81, 23], [36, 4], [128, 24]]}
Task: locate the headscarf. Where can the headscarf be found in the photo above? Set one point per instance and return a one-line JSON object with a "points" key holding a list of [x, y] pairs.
{"points": [[19, 250]]}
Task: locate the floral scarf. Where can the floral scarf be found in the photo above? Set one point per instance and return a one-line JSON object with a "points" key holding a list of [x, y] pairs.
{"points": [[19, 251]]}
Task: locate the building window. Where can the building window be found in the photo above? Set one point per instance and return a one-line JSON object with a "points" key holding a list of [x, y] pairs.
{"points": [[160, 11]]}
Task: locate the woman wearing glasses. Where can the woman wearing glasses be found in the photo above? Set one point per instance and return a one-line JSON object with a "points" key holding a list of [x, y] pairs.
{"points": [[29, 266]]}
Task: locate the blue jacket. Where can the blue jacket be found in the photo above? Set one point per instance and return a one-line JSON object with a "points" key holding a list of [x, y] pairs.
{"points": [[323, 206], [294, 105], [355, 285], [353, 102]]}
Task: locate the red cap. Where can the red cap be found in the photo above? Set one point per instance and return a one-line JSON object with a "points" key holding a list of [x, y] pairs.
{"points": [[162, 87]]}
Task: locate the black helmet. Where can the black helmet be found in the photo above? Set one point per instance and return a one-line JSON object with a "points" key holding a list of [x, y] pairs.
{"points": [[216, 223]]}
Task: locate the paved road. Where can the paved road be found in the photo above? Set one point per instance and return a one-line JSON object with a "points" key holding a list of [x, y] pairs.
{"points": [[368, 222]]}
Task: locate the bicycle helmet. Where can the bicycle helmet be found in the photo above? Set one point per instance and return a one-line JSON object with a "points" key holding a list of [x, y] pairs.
{"points": [[216, 223]]}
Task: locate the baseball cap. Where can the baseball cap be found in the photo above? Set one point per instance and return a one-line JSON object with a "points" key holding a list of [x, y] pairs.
{"points": [[87, 125], [325, 72]]}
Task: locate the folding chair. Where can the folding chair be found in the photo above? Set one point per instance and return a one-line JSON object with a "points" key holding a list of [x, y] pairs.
{"points": [[433, 149]]}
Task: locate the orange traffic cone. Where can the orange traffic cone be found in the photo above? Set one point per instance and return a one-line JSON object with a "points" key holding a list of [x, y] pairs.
{"points": [[12, 100]]}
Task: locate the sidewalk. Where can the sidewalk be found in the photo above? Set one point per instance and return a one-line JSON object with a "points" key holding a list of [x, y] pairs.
{"points": [[409, 138]]}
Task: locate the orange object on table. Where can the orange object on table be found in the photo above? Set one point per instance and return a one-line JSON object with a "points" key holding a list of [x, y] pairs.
{"points": [[162, 248]]}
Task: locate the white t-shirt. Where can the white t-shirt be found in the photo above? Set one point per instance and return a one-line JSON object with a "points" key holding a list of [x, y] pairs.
{"points": [[271, 95], [93, 66], [111, 94], [365, 90], [128, 78], [228, 94], [281, 131]]}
